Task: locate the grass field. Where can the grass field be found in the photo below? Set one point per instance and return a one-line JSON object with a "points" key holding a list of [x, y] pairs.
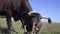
{"points": [[53, 28]]}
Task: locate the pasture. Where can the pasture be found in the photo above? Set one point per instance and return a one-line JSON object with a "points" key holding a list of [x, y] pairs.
{"points": [[53, 28]]}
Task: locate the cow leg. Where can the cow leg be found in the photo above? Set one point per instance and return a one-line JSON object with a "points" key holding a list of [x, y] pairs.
{"points": [[22, 20], [8, 19], [9, 23], [23, 24]]}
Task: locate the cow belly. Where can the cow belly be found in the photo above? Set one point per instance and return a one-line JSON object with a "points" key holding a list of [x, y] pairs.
{"points": [[2, 13], [1, 7]]}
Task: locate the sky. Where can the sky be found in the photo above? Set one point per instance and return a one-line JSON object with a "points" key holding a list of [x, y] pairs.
{"points": [[49, 8]]}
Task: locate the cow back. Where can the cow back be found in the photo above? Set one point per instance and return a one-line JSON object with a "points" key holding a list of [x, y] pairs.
{"points": [[4, 3], [16, 3]]}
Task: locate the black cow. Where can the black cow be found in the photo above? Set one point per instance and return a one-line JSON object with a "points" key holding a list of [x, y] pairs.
{"points": [[19, 10], [15, 9]]}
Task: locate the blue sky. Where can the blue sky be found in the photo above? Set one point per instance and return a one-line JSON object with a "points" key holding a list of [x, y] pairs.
{"points": [[50, 8]]}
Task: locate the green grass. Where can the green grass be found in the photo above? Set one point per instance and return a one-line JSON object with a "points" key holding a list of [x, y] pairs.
{"points": [[16, 27], [53, 28]]}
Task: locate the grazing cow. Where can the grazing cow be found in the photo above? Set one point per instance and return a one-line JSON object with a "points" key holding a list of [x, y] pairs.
{"points": [[19, 10], [15, 9]]}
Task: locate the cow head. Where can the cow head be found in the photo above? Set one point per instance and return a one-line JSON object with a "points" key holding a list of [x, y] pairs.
{"points": [[33, 17], [30, 20], [36, 17]]}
